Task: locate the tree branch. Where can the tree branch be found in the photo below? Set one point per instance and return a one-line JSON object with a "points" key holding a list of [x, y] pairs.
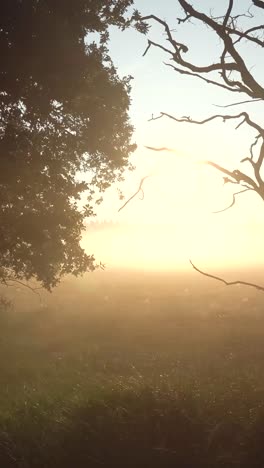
{"points": [[248, 84], [227, 283], [247, 78], [233, 202], [21, 283], [179, 47], [228, 13], [245, 35], [258, 3], [237, 103], [235, 176], [139, 190], [246, 119], [207, 80]]}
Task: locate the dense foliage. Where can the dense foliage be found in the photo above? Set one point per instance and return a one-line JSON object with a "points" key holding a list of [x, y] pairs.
{"points": [[63, 112]]}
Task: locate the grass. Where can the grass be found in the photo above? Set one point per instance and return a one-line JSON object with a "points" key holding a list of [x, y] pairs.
{"points": [[154, 370]]}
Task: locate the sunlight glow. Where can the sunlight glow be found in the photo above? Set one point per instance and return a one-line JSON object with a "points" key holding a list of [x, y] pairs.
{"points": [[175, 221]]}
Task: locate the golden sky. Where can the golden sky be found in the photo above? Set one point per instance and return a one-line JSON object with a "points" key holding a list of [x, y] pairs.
{"points": [[175, 221]]}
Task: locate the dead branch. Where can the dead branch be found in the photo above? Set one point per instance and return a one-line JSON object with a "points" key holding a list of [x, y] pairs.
{"points": [[233, 29], [258, 3], [227, 283], [238, 176], [247, 79], [235, 176], [139, 190], [159, 46], [228, 13], [8, 282], [163, 148], [234, 200], [207, 80], [246, 119], [238, 103], [234, 76], [225, 29], [245, 35]]}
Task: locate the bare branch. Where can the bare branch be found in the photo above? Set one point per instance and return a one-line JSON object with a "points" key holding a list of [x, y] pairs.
{"points": [[179, 47], [235, 176], [238, 103], [228, 13], [207, 80], [254, 144], [238, 176], [163, 148], [233, 202], [258, 3], [245, 35], [147, 49], [247, 78], [258, 165], [233, 84], [233, 29], [139, 190], [159, 46], [21, 283], [225, 31], [246, 119], [183, 20], [227, 283]]}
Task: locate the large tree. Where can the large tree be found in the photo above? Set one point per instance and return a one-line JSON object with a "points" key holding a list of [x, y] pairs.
{"points": [[229, 71], [63, 112]]}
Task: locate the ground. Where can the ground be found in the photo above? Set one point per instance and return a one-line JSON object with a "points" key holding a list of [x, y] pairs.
{"points": [[133, 369]]}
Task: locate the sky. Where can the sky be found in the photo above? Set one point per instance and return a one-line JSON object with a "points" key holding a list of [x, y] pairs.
{"points": [[175, 220]]}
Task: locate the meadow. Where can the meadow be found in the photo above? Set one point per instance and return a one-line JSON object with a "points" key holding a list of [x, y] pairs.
{"points": [[133, 369]]}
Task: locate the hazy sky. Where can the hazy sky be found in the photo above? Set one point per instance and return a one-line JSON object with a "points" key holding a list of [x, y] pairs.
{"points": [[182, 194]]}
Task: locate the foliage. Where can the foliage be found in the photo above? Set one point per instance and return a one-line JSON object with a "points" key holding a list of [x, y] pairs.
{"points": [[64, 112]]}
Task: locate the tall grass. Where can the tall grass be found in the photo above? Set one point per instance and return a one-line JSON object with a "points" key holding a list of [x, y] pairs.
{"points": [[103, 377]]}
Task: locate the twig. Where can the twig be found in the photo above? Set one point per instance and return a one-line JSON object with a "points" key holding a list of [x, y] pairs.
{"points": [[25, 285], [147, 49], [246, 119], [227, 283], [236, 175], [140, 189], [254, 144], [228, 13], [233, 202], [207, 80], [238, 103], [247, 79], [225, 30], [163, 148]]}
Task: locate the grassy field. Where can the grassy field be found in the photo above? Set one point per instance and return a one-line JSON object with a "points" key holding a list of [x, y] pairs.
{"points": [[133, 370]]}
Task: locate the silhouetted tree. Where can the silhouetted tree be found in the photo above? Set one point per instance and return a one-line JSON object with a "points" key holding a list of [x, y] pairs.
{"points": [[229, 71], [63, 112]]}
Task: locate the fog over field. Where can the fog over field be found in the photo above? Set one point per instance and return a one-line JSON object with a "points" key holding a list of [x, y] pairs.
{"points": [[168, 247]]}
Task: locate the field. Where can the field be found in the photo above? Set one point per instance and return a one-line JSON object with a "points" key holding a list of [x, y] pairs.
{"points": [[133, 369]]}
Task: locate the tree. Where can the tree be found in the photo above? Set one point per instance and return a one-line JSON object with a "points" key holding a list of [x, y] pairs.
{"points": [[229, 72], [63, 113]]}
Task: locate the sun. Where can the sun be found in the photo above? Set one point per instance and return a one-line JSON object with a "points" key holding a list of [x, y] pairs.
{"points": [[173, 219], [178, 188]]}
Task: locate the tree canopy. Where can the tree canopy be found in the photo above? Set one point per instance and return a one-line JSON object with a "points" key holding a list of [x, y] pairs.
{"points": [[63, 112]]}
